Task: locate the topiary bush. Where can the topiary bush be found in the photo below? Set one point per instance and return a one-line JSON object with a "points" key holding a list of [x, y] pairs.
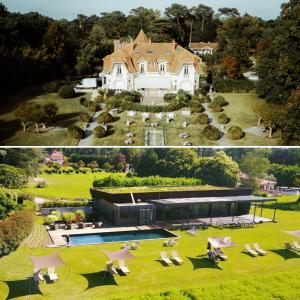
{"points": [[198, 109], [235, 133], [205, 99], [223, 118], [220, 101], [66, 92], [99, 131], [214, 107], [75, 132], [105, 118], [203, 119], [85, 117], [212, 133]]}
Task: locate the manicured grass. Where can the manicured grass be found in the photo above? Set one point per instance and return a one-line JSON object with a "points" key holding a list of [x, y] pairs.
{"points": [[275, 276], [66, 186], [68, 115]]}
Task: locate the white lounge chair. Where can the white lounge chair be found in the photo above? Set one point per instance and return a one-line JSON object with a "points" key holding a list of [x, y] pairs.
{"points": [[296, 245], [193, 231], [110, 268], [165, 258], [51, 273], [258, 249], [170, 243], [38, 276], [176, 257], [123, 267], [250, 250], [221, 254]]}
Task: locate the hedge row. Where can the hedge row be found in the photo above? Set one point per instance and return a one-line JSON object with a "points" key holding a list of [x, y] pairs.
{"points": [[118, 181], [14, 229], [230, 85], [64, 204]]}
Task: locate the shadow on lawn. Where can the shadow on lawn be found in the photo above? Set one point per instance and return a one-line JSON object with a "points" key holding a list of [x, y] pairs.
{"points": [[286, 254], [294, 206], [203, 262], [8, 129], [66, 120], [99, 279], [22, 288]]}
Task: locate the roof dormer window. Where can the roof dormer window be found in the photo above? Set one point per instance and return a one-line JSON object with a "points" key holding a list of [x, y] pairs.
{"points": [[142, 68], [186, 70], [162, 68], [119, 70]]}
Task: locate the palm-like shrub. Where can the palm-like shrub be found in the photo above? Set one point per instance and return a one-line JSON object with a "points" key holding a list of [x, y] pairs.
{"points": [[105, 118], [223, 118], [212, 133], [203, 119], [235, 133]]}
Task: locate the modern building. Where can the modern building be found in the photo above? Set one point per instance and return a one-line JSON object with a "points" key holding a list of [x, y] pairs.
{"points": [[203, 49], [150, 68], [144, 208]]}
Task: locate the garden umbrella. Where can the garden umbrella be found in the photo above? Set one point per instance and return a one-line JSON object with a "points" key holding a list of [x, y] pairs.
{"points": [[52, 260], [223, 242], [295, 233], [123, 254]]}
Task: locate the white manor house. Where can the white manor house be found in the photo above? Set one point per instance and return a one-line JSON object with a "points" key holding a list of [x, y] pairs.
{"points": [[151, 68]]}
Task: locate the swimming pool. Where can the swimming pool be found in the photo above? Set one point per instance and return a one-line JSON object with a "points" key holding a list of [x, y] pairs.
{"points": [[122, 236]]}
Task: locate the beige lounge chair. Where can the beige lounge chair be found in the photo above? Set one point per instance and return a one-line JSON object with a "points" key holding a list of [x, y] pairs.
{"points": [[221, 254], [123, 267], [176, 257], [250, 250], [51, 273], [259, 250], [110, 268], [170, 243], [165, 258], [38, 276], [296, 245]]}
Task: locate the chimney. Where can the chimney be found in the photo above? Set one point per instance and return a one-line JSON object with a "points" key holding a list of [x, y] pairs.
{"points": [[117, 45], [150, 41]]}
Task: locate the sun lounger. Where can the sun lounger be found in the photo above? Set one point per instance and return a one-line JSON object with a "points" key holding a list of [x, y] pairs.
{"points": [[296, 245], [193, 231], [221, 254], [110, 268], [250, 250], [176, 257], [51, 273], [38, 276], [123, 267], [290, 247], [258, 249], [165, 258], [170, 243]]}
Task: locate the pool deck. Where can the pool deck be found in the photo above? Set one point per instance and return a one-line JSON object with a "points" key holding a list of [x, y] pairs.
{"points": [[58, 239]]}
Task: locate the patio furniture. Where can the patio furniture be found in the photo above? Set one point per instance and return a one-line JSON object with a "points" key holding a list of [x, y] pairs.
{"points": [[51, 273], [128, 141], [81, 225], [98, 224], [165, 258], [259, 250], [250, 250], [38, 276], [193, 230], [110, 268], [130, 134], [290, 247], [296, 245], [123, 267], [170, 243], [159, 116], [176, 257], [219, 253]]}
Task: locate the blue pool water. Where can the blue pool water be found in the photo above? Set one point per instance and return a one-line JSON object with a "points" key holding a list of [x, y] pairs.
{"points": [[99, 238]]}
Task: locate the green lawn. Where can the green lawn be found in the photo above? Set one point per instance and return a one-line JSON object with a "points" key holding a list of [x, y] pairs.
{"points": [[58, 183], [275, 276], [68, 114]]}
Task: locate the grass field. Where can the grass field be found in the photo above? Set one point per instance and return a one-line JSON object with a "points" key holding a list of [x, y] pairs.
{"points": [[68, 114], [58, 185], [275, 276]]}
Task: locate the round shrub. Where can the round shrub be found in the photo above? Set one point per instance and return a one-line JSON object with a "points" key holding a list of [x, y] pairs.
{"points": [[212, 133], [219, 100], [50, 219], [92, 106], [83, 101], [169, 97], [75, 132], [100, 98], [235, 133], [52, 87], [223, 118], [85, 117], [205, 99], [99, 131], [215, 108], [105, 118], [203, 119], [198, 109], [66, 92]]}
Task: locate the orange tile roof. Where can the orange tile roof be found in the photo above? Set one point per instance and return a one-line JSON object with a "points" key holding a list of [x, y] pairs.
{"points": [[202, 45], [143, 49]]}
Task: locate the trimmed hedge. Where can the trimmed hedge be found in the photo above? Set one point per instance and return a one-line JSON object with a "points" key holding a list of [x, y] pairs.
{"points": [[75, 132], [14, 229], [105, 118], [231, 85], [203, 119], [85, 117], [235, 133], [220, 100], [64, 204], [117, 181], [99, 131], [223, 118], [212, 133], [66, 92], [215, 107]]}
